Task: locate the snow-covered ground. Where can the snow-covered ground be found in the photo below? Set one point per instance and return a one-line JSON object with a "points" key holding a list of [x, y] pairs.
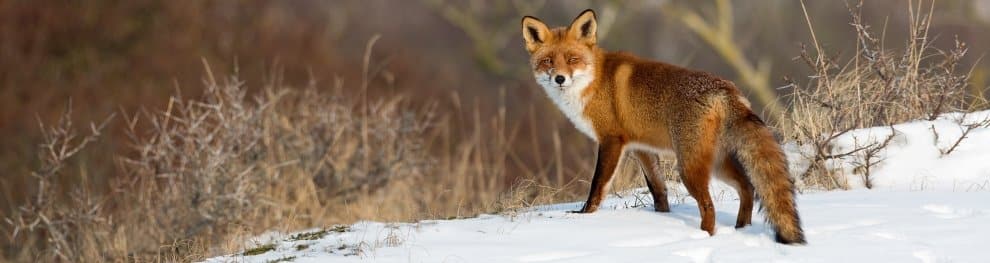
{"points": [[924, 207]]}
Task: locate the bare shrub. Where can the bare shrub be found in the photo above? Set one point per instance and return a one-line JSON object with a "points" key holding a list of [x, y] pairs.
{"points": [[965, 128], [869, 156], [51, 219], [876, 87]]}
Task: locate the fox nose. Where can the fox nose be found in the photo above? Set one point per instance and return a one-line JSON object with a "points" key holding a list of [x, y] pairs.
{"points": [[559, 79]]}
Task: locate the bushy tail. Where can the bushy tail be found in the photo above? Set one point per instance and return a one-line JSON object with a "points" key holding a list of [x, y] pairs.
{"points": [[766, 166]]}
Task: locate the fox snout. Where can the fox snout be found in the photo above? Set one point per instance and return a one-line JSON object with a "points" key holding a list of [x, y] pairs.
{"points": [[559, 79]]}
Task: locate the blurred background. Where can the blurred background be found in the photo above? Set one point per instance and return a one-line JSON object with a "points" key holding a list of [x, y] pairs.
{"points": [[462, 58]]}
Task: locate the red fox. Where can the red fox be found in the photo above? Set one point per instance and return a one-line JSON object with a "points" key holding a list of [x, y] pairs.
{"points": [[649, 107]]}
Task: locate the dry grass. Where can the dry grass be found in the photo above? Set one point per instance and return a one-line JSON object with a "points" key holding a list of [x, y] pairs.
{"points": [[203, 173], [879, 86]]}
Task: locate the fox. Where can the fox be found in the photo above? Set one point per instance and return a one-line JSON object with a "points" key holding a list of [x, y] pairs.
{"points": [[628, 104]]}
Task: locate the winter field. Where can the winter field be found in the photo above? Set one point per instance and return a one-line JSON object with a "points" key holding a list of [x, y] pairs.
{"points": [[927, 204]]}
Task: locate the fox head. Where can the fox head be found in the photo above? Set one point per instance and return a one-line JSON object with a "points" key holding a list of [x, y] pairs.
{"points": [[562, 57]]}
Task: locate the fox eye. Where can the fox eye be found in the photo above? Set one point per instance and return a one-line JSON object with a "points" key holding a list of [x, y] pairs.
{"points": [[573, 60], [546, 61]]}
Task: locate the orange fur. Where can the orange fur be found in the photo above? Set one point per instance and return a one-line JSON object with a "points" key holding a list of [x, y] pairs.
{"points": [[618, 99]]}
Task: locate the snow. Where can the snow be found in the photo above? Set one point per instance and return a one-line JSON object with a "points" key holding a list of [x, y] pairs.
{"points": [[913, 160], [924, 207]]}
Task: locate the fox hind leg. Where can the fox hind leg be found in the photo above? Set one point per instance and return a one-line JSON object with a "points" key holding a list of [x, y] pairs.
{"points": [[731, 171], [695, 161]]}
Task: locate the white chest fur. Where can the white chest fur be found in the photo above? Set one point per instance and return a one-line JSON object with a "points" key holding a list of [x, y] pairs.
{"points": [[569, 98]]}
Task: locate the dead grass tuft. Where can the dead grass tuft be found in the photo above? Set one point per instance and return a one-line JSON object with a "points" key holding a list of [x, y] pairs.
{"points": [[259, 250]]}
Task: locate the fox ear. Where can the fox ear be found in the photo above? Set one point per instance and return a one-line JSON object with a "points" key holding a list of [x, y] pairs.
{"points": [[585, 27], [535, 32]]}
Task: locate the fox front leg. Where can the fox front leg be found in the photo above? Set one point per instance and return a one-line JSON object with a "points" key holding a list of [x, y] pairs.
{"points": [[609, 152]]}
